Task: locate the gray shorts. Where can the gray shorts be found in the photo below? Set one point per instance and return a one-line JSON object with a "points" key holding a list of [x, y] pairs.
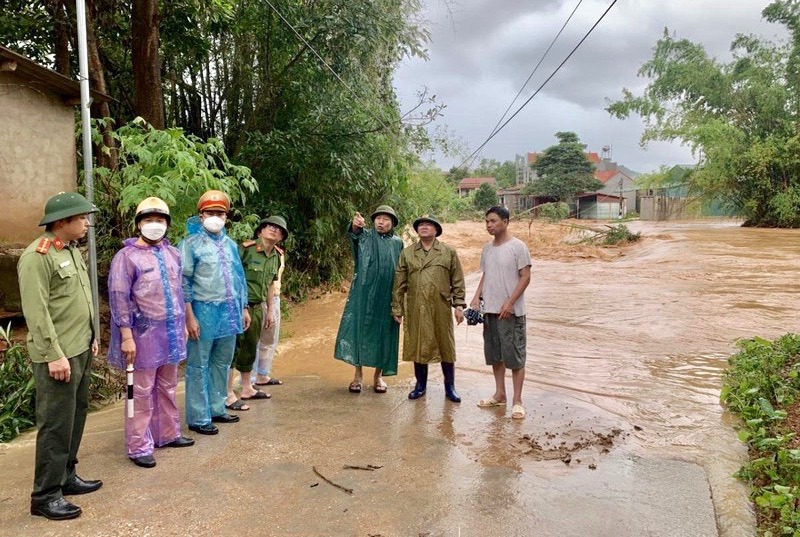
{"points": [[504, 340]]}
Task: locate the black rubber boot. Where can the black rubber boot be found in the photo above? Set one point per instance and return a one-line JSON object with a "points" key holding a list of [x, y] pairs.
{"points": [[421, 372], [449, 371]]}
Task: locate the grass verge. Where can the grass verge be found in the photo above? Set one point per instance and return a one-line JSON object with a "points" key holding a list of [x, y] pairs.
{"points": [[18, 391]]}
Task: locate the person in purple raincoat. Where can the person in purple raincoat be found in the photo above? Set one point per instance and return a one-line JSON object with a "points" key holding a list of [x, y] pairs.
{"points": [[148, 331]]}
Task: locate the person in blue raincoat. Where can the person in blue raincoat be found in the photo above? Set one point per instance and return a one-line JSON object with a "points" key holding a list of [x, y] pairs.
{"points": [[215, 292], [368, 335]]}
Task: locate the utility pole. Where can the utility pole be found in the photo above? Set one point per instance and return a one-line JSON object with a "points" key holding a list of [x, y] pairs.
{"points": [[86, 131]]}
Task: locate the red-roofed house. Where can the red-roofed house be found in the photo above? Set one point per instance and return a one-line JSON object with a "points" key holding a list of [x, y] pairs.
{"points": [[468, 184], [618, 183]]}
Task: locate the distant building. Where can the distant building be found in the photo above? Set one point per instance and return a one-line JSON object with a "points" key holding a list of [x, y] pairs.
{"points": [[596, 206], [468, 184], [673, 199], [619, 181], [514, 200]]}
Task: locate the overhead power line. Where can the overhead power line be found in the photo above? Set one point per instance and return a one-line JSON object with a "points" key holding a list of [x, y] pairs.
{"points": [[535, 93], [536, 68]]}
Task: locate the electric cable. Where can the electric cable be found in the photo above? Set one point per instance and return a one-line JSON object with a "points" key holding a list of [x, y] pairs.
{"points": [[536, 68], [535, 93]]}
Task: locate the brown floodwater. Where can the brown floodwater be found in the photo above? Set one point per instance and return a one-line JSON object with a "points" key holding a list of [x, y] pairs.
{"points": [[640, 341]]}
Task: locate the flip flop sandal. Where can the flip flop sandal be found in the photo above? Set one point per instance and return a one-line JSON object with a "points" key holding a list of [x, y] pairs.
{"points": [[490, 402], [380, 388], [257, 395], [355, 387], [238, 405], [270, 382], [517, 412]]}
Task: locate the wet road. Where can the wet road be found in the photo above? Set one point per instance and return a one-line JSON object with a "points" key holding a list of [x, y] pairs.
{"points": [[646, 337], [624, 435]]}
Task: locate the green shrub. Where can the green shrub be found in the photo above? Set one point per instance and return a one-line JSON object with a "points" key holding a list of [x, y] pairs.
{"points": [[762, 382], [172, 165], [17, 391], [620, 234], [485, 197]]}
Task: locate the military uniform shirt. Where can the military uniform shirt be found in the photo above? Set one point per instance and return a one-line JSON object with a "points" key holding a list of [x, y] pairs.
{"points": [[260, 269], [56, 299]]}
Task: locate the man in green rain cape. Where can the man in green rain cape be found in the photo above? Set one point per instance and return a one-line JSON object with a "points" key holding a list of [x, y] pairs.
{"points": [[368, 335]]}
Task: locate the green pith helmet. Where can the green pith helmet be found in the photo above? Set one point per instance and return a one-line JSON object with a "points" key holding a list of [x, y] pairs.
{"points": [[388, 211], [430, 219], [274, 220], [65, 204]]}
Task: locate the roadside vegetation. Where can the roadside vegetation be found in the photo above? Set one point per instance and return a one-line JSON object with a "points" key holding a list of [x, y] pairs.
{"points": [[16, 388], [762, 386], [18, 392]]}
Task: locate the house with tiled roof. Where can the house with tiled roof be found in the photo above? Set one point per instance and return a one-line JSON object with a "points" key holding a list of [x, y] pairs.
{"points": [[469, 184], [618, 195], [620, 184]]}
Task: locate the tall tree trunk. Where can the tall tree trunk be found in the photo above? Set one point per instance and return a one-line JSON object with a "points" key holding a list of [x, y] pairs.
{"points": [[61, 32], [149, 101]]}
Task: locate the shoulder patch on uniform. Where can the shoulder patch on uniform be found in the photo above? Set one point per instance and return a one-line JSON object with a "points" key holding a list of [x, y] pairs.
{"points": [[44, 245], [248, 244]]}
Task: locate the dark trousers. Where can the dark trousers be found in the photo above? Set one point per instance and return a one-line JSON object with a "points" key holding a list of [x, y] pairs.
{"points": [[247, 342], [60, 417]]}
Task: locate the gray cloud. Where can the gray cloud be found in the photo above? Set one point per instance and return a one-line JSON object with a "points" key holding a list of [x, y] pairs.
{"points": [[482, 51]]}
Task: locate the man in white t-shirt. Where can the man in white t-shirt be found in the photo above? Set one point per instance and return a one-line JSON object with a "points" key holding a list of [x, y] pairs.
{"points": [[506, 267]]}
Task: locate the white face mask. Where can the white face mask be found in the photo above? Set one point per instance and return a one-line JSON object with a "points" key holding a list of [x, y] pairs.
{"points": [[154, 231], [214, 224]]}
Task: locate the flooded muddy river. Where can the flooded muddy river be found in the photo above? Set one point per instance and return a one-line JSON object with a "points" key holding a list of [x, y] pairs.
{"points": [[638, 343]]}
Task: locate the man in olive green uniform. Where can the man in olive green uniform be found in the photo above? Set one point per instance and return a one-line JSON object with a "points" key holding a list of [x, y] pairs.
{"points": [[261, 261], [57, 304], [428, 283]]}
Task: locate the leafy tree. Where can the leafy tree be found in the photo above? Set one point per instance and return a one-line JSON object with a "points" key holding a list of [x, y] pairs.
{"points": [[563, 170], [171, 165], [455, 175], [429, 190], [504, 172], [741, 117], [485, 197]]}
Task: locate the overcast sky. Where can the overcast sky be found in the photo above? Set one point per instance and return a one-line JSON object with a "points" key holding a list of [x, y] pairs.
{"points": [[483, 50]]}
